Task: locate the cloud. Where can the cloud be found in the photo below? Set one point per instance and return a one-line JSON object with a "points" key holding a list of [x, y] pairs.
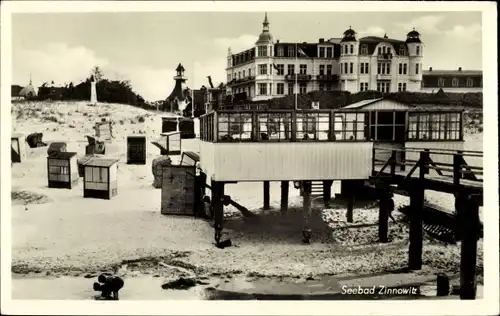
{"points": [[237, 44], [467, 33], [427, 24], [372, 31], [55, 62]]}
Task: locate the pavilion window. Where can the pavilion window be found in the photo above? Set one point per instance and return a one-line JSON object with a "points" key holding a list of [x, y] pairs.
{"points": [[235, 126], [274, 126]]}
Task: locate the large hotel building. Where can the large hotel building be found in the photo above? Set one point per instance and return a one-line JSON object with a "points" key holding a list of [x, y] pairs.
{"points": [[273, 69]]}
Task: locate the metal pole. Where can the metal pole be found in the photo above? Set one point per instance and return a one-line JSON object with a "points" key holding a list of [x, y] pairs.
{"points": [[295, 74]]}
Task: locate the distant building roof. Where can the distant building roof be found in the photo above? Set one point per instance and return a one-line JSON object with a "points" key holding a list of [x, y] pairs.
{"points": [[361, 104], [452, 72], [62, 155], [28, 91], [100, 162]]}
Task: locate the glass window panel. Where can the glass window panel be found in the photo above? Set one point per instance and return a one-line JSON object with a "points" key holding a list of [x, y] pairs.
{"points": [[424, 126], [435, 130], [323, 126], [104, 175], [339, 126], [96, 175]]}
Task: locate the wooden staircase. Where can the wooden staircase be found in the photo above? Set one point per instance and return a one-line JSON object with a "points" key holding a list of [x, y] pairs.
{"points": [[317, 188]]}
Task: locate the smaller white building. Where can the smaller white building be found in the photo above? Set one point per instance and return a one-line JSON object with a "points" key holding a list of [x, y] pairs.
{"points": [[459, 81]]}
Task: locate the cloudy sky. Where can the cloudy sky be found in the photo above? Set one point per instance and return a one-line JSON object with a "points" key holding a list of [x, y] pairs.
{"points": [[146, 47]]}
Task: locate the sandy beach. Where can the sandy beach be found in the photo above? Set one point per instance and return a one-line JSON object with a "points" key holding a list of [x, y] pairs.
{"points": [[56, 232]]}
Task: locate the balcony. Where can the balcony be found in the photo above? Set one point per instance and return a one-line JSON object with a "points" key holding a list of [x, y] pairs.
{"points": [[236, 82], [333, 78], [387, 57], [384, 77], [300, 77]]}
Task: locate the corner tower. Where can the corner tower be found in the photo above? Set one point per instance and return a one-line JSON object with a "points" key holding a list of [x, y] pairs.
{"points": [[349, 52], [415, 54]]}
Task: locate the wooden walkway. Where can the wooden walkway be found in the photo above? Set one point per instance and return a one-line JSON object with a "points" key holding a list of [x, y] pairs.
{"points": [[433, 174], [439, 170]]}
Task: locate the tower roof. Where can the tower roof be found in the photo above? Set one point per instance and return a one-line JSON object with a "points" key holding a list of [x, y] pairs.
{"points": [[180, 68], [413, 37], [349, 35], [265, 36]]}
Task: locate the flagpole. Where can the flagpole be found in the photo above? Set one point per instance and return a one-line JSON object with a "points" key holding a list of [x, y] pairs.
{"points": [[296, 64], [192, 95]]}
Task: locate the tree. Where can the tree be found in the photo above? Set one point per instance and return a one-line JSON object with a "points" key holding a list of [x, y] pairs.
{"points": [[97, 73]]}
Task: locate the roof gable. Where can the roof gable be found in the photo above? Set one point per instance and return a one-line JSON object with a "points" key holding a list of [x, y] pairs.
{"points": [[379, 104]]}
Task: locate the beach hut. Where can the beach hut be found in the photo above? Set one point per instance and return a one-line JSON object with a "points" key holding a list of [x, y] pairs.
{"points": [[100, 178], [18, 148], [62, 170], [136, 150], [103, 130]]}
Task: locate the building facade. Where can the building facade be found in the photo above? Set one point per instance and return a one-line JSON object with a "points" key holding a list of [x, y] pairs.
{"points": [[459, 81], [273, 69]]}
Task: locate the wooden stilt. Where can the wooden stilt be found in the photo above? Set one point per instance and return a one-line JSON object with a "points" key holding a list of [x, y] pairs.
{"points": [[266, 195], [284, 196], [218, 188], [306, 232], [468, 221], [327, 192], [383, 215], [350, 207], [213, 194], [416, 228]]}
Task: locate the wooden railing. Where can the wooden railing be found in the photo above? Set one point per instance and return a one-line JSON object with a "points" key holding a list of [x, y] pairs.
{"points": [[457, 170]]}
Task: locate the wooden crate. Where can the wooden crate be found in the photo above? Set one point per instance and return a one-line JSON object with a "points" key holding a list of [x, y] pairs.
{"points": [[178, 190], [136, 150], [18, 148]]}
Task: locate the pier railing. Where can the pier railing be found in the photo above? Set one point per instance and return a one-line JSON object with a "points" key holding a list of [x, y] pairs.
{"points": [[449, 166]]}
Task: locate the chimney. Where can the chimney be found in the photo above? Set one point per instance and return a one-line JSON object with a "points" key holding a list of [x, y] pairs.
{"points": [[430, 68], [321, 40], [459, 68], [277, 41]]}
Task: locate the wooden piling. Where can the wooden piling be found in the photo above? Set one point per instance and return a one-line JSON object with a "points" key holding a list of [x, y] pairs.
{"points": [[218, 189], [350, 201], [383, 214], [266, 195], [213, 196], [416, 228], [306, 232], [284, 196], [468, 221], [327, 192], [350, 207]]}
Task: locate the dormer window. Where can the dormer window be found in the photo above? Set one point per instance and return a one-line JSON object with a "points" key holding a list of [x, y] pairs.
{"points": [[470, 82], [402, 51], [379, 51], [364, 49], [281, 52], [454, 82], [440, 82], [291, 52]]}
